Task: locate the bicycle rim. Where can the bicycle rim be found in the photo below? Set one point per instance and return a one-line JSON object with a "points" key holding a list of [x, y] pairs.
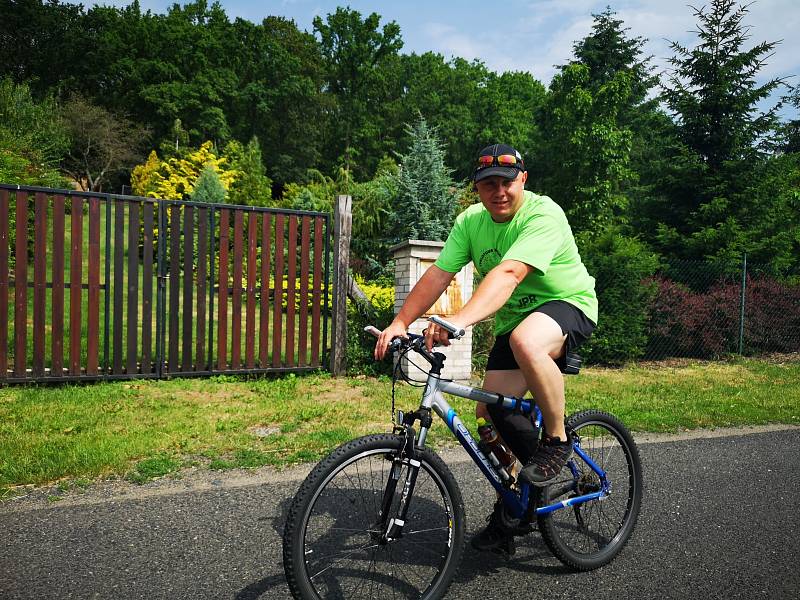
{"points": [[343, 555], [591, 534]]}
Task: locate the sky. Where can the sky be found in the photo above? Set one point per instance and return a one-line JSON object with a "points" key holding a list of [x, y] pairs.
{"points": [[534, 35]]}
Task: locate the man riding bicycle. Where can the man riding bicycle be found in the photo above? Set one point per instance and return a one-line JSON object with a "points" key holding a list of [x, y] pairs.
{"points": [[544, 303]]}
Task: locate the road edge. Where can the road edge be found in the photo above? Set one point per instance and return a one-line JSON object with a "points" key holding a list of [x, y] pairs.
{"points": [[202, 479]]}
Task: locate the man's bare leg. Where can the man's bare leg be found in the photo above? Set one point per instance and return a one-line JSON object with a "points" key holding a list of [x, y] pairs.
{"points": [[536, 342]]}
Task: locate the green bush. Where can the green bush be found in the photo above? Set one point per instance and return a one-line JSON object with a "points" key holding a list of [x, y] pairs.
{"points": [[482, 342], [619, 265], [360, 345]]}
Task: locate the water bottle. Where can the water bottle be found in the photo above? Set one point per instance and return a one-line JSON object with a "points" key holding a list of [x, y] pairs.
{"points": [[490, 444]]}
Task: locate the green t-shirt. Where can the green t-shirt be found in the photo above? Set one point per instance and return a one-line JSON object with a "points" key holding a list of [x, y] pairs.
{"points": [[538, 235]]}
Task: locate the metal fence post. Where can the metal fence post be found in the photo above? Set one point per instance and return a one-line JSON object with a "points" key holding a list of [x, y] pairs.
{"points": [[342, 225], [741, 303]]}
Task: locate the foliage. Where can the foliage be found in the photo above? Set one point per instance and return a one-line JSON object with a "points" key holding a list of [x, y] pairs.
{"points": [[380, 296], [252, 186], [710, 176], [770, 231], [279, 98], [584, 159], [702, 203], [208, 187], [790, 131], [378, 312], [705, 324], [374, 204], [32, 141], [102, 144], [372, 208], [33, 138], [360, 59], [426, 200], [619, 264], [608, 51], [175, 178], [685, 323]]}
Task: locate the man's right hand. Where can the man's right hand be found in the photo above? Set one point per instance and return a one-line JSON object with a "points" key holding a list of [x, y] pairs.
{"points": [[396, 329]]}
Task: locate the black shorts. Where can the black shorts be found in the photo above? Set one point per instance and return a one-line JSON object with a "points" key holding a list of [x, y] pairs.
{"points": [[574, 324]]}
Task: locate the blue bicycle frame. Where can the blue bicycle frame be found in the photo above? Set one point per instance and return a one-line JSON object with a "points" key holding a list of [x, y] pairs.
{"points": [[517, 503]]}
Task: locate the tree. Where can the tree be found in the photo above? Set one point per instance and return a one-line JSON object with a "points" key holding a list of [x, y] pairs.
{"points": [[791, 130], [504, 109], [208, 187], [583, 161], [279, 97], [32, 141], [175, 178], [723, 137], [358, 57], [608, 50], [176, 143], [251, 186], [35, 43], [427, 198], [101, 143], [33, 138]]}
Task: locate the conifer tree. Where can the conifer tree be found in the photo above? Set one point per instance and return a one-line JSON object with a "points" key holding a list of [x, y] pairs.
{"points": [[208, 187], [426, 200], [724, 137]]}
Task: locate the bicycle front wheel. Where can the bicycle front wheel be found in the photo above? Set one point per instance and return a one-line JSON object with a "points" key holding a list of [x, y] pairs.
{"points": [[332, 545], [590, 535]]}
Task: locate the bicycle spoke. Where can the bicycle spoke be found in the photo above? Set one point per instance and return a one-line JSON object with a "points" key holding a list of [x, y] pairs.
{"points": [[344, 553]]}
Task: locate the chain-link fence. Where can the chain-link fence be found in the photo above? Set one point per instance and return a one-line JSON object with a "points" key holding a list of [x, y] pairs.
{"points": [[705, 310]]}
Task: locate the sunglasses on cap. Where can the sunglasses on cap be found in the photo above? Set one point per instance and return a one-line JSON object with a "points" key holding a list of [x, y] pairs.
{"points": [[504, 160]]}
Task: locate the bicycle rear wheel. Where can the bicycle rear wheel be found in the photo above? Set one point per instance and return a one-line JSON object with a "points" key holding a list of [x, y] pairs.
{"points": [[590, 535], [332, 546]]}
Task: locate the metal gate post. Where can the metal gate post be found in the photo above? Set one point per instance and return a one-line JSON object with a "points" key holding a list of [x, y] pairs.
{"points": [[741, 303]]}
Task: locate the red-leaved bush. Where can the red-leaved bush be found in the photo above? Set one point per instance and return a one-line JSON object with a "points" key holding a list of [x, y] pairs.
{"points": [[706, 325]]}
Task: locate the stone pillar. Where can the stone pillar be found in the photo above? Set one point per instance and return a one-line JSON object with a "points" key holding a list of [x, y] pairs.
{"points": [[411, 259]]}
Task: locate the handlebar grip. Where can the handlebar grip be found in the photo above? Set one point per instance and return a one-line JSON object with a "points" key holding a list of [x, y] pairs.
{"points": [[452, 329], [373, 330]]}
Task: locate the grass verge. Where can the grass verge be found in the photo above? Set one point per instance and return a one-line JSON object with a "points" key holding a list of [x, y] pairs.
{"points": [[144, 429]]}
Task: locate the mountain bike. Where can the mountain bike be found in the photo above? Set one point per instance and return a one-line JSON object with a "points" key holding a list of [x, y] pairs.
{"points": [[382, 515]]}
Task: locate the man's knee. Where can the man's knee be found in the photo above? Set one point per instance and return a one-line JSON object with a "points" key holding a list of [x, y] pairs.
{"points": [[533, 351]]}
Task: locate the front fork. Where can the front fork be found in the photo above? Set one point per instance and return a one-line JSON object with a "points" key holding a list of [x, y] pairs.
{"points": [[391, 527]]}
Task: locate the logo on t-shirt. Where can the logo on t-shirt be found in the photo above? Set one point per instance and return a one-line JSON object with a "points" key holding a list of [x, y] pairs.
{"points": [[489, 260]]}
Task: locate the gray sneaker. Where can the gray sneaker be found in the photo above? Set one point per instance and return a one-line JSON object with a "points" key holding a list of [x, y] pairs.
{"points": [[551, 456]]}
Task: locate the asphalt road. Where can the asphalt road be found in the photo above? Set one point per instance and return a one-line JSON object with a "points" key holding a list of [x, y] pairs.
{"points": [[720, 519]]}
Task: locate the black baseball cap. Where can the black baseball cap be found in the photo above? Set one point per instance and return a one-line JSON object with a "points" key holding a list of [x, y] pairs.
{"points": [[498, 160]]}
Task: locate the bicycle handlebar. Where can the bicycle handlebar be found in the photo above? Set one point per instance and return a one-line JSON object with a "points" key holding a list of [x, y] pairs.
{"points": [[454, 331], [415, 340]]}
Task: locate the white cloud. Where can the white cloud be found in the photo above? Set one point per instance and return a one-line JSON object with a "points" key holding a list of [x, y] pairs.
{"points": [[448, 41]]}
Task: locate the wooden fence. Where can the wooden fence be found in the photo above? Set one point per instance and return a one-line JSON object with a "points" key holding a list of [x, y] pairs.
{"points": [[129, 287]]}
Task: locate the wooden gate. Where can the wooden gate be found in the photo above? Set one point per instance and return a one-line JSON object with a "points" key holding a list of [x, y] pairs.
{"points": [[99, 286]]}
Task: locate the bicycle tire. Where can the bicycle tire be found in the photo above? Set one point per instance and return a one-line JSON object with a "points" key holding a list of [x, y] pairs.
{"points": [[590, 535], [335, 507]]}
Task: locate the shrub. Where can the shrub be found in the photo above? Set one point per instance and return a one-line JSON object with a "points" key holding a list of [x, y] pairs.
{"points": [[360, 345], [208, 187], [686, 323], [482, 342], [706, 325], [619, 265], [772, 316]]}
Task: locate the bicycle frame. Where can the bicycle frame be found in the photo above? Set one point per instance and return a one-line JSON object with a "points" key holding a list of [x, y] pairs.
{"points": [[517, 503]]}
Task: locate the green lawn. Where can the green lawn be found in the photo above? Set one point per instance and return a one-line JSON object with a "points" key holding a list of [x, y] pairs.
{"points": [[143, 429]]}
